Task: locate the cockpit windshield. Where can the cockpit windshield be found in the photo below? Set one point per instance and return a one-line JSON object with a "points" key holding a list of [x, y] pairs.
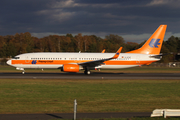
{"points": [[16, 57]]}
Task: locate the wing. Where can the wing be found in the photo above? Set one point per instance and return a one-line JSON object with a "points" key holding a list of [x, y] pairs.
{"points": [[100, 62]]}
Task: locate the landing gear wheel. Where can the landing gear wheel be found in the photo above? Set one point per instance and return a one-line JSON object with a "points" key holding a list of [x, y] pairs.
{"points": [[87, 72]]}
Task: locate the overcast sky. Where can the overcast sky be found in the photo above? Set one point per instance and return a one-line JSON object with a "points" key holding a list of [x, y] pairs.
{"points": [[134, 20]]}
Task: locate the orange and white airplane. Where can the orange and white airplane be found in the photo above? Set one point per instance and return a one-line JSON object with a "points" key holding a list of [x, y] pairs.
{"points": [[74, 62]]}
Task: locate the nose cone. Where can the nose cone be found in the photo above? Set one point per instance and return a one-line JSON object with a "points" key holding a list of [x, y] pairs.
{"points": [[9, 62]]}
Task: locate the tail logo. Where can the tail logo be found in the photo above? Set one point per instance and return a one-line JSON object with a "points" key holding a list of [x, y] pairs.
{"points": [[154, 43]]}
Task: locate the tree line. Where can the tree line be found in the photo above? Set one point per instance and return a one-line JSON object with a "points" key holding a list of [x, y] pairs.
{"points": [[12, 45]]}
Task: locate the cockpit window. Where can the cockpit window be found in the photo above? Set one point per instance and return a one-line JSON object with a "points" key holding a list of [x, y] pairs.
{"points": [[16, 57]]}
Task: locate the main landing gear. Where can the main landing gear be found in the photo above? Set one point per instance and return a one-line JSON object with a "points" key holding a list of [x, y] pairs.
{"points": [[87, 72]]}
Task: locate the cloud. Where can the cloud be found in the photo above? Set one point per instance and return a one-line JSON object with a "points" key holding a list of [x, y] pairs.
{"points": [[45, 34], [72, 3], [138, 38], [170, 3], [135, 20], [64, 10], [56, 15], [63, 16], [66, 4], [157, 2], [169, 34]]}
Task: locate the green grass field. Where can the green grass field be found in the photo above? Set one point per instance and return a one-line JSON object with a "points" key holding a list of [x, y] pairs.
{"points": [[57, 96]]}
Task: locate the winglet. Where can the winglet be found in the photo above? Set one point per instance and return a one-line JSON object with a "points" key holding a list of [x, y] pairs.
{"points": [[103, 51], [117, 53]]}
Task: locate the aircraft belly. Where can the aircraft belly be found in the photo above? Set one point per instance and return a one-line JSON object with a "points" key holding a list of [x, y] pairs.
{"points": [[22, 66], [117, 66]]}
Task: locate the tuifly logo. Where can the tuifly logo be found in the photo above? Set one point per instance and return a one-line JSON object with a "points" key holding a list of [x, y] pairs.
{"points": [[117, 53], [34, 61], [154, 43]]}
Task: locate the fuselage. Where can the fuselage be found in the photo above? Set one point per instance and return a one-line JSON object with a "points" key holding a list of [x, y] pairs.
{"points": [[57, 60]]}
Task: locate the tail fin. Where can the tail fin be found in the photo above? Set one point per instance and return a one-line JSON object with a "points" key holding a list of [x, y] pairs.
{"points": [[154, 43]]}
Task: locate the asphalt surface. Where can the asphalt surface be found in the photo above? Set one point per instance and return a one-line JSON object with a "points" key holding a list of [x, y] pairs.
{"points": [[98, 75], [71, 116]]}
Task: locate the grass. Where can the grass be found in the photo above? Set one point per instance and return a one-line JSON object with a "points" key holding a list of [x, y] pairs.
{"points": [[143, 69], [57, 96]]}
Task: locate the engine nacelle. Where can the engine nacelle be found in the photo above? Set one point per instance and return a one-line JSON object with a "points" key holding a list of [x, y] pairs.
{"points": [[70, 68]]}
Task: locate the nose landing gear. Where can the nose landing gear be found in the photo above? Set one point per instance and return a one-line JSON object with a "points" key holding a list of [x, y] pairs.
{"points": [[23, 71]]}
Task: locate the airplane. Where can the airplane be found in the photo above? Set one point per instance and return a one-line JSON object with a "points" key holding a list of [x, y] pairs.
{"points": [[74, 62]]}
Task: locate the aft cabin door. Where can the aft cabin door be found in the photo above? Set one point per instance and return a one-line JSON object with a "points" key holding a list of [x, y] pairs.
{"points": [[138, 59]]}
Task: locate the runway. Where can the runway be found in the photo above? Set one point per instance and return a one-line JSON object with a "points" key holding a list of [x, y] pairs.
{"points": [[71, 115], [95, 75]]}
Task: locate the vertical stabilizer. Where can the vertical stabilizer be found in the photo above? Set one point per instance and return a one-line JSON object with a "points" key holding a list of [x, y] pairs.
{"points": [[154, 43]]}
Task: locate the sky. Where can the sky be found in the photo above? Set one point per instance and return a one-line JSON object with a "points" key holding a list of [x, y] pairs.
{"points": [[134, 20]]}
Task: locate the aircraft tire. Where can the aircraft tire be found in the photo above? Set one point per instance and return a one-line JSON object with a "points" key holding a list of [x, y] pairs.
{"points": [[87, 72]]}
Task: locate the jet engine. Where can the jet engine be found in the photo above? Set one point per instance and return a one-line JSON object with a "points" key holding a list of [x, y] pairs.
{"points": [[70, 68]]}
